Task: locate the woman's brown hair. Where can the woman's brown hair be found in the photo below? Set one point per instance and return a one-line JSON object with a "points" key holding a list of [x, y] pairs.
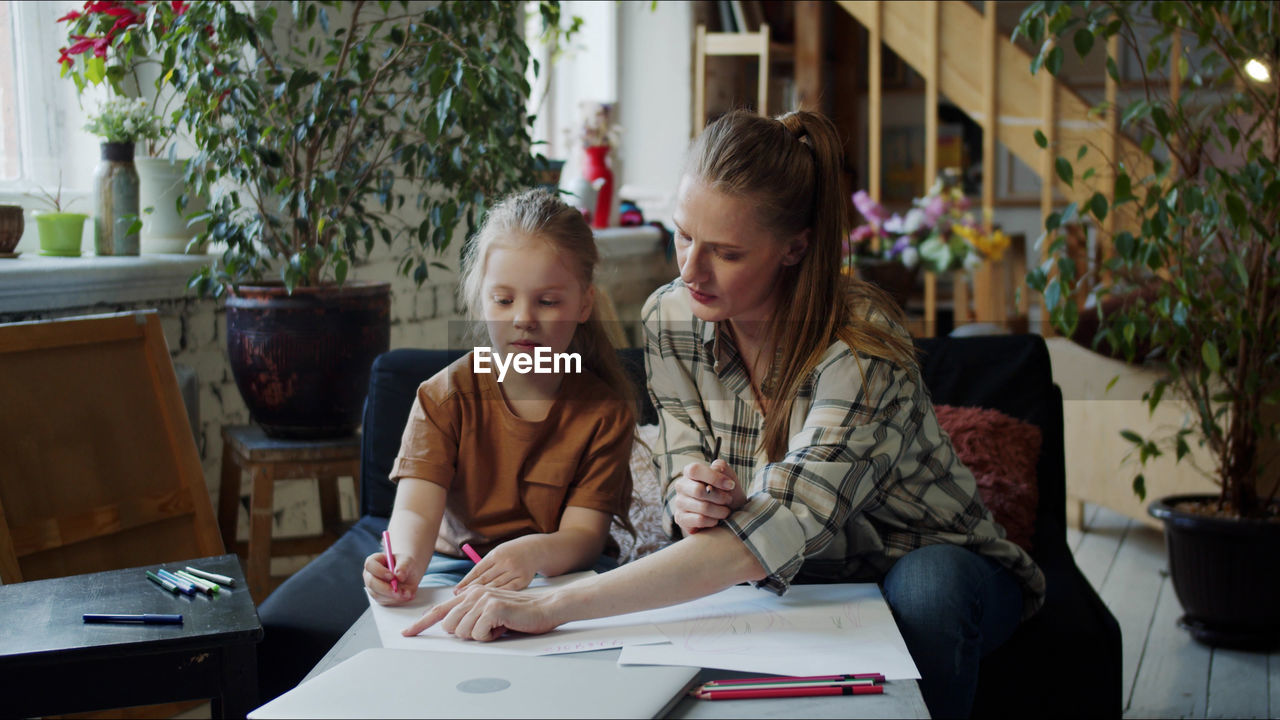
{"points": [[789, 168]]}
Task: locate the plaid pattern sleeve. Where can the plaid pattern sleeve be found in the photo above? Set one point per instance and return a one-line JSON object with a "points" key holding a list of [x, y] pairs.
{"points": [[868, 474], [672, 355]]}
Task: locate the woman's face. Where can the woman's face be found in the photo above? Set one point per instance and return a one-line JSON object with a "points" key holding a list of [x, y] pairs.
{"points": [[531, 298], [728, 261]]}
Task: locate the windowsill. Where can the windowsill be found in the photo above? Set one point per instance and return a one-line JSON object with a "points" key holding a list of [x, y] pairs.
{"points": [[31, 282], [35, 283], [616, 243]]}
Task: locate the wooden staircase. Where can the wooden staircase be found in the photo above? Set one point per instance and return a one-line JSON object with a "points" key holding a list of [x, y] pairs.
{"points": [[960, 53]]}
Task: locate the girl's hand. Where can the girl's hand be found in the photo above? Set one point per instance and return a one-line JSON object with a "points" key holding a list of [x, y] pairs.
{"points": [[705, 495], [377, 578], [486, 613], [510, 566]]}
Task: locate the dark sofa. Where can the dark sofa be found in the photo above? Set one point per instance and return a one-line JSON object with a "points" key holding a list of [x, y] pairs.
{"points": [[1073, 636]]}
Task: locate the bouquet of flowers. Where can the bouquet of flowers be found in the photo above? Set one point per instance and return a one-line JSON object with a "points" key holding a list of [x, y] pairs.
{"points": [[598, 127], [124, 120], [939, 231]]}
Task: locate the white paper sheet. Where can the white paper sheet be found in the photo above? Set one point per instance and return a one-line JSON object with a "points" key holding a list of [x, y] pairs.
{"points": [[812, 630], [582, 636]]}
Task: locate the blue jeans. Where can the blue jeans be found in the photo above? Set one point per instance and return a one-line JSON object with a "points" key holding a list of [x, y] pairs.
{"points": [[444, 570], [953, 607]]}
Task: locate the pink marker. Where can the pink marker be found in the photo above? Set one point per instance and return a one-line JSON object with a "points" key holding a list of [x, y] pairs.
{"points": [[471, 553], [391, 560]]}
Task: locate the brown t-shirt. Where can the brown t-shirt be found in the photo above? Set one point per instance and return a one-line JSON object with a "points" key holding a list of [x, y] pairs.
{"points": [[505, 476]]}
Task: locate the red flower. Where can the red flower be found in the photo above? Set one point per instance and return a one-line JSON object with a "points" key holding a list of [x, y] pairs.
{"points": [[179, 6], [82, 44], [69, 16], [100, 47], [124, 22]]}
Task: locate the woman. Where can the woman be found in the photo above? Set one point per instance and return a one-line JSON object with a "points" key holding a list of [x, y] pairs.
{"points": [[833, 467]]}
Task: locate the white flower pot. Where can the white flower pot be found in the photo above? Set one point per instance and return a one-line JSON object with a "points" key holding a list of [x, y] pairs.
{"points": [[164, 229]]}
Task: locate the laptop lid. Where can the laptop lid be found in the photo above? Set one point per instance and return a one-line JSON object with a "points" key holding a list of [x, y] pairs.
{"points": [[389, 683]]}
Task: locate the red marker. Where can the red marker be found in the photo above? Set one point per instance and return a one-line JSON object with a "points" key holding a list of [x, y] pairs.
{"points": [[471, 553], [391, 560]]}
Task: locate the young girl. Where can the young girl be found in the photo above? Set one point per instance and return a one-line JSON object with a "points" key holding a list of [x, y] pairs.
{"points": [[529, 470], [833, 467]]}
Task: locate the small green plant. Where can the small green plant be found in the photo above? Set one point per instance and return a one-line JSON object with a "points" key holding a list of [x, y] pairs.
{"points": [[51, 200], [1196, 269]]}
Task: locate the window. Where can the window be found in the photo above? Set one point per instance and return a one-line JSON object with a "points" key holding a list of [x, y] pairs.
{"points": [[585, 69], [41, 120]]}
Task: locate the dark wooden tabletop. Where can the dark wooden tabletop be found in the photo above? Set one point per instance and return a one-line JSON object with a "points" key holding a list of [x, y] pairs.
{"points": [[42, 619]]}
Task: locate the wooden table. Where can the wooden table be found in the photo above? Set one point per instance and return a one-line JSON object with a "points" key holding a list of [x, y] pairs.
{"points": [[901, 698], [51, 662], [247, 449]]}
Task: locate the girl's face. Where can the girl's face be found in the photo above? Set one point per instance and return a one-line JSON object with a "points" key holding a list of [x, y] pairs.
{"points": [[531, 298], [728, 261]]}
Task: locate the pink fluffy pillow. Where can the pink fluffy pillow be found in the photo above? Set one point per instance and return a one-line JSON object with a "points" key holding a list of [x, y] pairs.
{"points": [[1002, 452]]}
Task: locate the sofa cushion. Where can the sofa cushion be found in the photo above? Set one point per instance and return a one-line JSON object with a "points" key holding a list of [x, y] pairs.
{"points": [[1012, 374], [646, 502], [1002, 452]]}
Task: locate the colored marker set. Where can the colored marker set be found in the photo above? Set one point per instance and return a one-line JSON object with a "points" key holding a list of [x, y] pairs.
{"points": [[187, 581], [190, 581]]}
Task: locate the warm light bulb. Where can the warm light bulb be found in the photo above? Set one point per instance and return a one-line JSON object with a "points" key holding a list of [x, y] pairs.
{"points": [[1257, 70]]}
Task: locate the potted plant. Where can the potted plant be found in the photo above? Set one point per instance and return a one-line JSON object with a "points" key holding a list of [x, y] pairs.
{"points": [[350, 125], [111, 43], [121, 122], [61, 233], [1194, 280]]}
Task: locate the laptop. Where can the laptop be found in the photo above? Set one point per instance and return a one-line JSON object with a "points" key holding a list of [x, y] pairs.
{"points": [[390, 683]]}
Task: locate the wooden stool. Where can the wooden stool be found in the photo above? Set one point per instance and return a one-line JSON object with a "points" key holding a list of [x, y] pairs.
{"points": [[246, 448]]}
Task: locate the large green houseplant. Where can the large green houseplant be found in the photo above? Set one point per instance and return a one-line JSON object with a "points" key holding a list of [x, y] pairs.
{"points": [[324, 128], [1195, 277]]}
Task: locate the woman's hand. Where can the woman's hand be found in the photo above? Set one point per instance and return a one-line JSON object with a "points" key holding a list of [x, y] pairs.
{"points": [[377, 577], [486, 613], [510, 566], [705, 495]]}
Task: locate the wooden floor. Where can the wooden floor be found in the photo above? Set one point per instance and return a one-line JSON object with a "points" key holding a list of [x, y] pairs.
{"points": [[1166, 673]]}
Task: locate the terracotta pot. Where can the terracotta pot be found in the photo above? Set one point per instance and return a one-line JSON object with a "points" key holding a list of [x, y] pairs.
{"points": [[302, 362], [1226, 574]]}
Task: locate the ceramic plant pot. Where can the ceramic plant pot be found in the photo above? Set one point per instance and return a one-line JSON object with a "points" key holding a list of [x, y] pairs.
{"points": [[60, 233], [11, 226], [115, 201], [164, 229], [1226, 573], [302, 361]]}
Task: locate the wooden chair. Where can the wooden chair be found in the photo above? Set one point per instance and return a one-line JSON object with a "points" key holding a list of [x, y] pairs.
{"points": [[100, 470]]}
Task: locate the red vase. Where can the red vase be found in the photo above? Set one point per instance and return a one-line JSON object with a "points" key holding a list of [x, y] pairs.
{"points": [[597, 167]]}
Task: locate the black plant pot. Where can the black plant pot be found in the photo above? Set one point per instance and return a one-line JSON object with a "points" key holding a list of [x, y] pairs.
{"points": [[1226, 574], [302, 362]]}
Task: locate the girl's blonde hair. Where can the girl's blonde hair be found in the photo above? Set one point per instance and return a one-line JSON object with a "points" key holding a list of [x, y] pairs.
{"points": [[537, 214], [789, 169]]}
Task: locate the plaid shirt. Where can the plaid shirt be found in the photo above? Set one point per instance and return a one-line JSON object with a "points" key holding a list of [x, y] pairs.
{"points": [[868, 475]]}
